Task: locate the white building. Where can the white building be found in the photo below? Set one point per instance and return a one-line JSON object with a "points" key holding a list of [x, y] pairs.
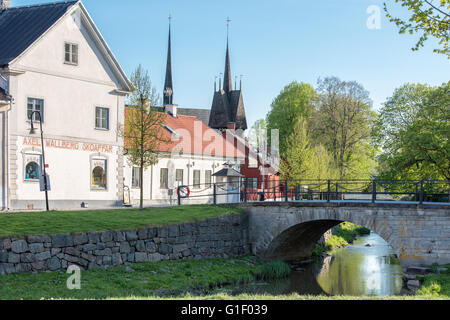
{"points": [[55, 61], [191, 158]]}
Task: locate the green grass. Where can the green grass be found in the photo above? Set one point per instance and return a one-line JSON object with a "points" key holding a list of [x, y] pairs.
{"points": [[436, 285], [64, 222], [166, 278]]}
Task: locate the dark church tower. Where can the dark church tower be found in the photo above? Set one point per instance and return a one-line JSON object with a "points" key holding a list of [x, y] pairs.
{"points": [[168, 87], [227, 111]]}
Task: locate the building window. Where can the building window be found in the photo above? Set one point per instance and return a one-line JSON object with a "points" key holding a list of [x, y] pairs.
{"points": [[98, 174], [208, 174], [33, 164], [71, 53], [102, 118], [136, 177], [164, 178], [179, 176], [35, 105], [252, 183], [196, 179]]}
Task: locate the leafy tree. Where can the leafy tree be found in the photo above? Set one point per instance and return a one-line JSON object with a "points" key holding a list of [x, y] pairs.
{"points": [[296, 164], [418, 146], [428, 18], [343, 123], [295, 101], [303, 160], [142, 130]]}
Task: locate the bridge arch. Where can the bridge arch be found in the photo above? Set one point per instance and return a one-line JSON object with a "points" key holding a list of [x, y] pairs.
{"points": [[289, 231]]}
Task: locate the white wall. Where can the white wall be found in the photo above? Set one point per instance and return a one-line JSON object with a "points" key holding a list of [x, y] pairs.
{"points": [[152, 178], [70, 95]]}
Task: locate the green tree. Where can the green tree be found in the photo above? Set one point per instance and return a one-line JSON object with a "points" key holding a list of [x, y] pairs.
{"points": [[297, 162], [343, 124], [295, 101], [143, 123], [414, 131], [428, 18]]}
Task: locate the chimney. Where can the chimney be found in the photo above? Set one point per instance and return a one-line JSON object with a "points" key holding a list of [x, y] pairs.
{"points": [[5, 4], [172, 109]]}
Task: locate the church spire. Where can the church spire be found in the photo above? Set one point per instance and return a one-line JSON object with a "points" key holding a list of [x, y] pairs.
{"points": [[168, 86], [227, 80]]}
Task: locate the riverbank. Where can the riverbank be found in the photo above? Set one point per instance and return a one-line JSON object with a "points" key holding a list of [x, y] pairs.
{"points": [[206, 279], [153, 279], [342, 236]]}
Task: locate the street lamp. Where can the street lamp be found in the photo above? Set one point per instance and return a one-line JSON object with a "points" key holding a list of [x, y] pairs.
{"points": [[32, 131]]}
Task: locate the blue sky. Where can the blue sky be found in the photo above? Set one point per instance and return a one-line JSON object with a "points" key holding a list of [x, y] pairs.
{"points": [[272, 43]]}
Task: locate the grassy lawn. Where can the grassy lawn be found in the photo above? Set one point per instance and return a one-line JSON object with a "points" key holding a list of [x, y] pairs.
{"points": [[64, 222], [164, 278]]}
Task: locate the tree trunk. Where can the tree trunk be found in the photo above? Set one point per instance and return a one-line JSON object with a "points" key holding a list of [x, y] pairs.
{"points": [[141, 177]]}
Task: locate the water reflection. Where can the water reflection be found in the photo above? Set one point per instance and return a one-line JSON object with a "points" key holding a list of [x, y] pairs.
{"points": [[357, 270], [363, 270]]}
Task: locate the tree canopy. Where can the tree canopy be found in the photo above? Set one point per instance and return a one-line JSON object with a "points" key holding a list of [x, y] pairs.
{"points": [[428, 18], [414, 130], [294, 101]]}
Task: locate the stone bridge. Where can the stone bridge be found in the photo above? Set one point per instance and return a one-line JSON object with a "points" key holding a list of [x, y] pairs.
{"points": [[419, 234]]}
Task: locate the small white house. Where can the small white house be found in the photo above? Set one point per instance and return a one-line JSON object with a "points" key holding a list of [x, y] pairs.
{"points": [[55, 63]]}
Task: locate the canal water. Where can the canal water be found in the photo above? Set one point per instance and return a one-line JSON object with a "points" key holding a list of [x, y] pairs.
{"points": [[368, 267]]}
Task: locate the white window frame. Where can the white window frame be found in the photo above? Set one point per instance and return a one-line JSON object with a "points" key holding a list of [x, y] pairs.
{"points": [[35, 119], [102, 110], [135, 178], [71, 46]]}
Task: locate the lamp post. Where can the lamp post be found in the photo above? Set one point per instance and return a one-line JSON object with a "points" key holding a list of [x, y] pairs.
{"points": [[32, 131]]}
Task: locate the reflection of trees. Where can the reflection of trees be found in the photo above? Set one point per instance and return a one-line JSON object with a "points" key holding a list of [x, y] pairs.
{"points": [[342, 276]]}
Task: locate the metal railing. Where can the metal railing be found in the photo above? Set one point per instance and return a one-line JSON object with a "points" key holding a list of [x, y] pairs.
{"points": [[364, 190]]}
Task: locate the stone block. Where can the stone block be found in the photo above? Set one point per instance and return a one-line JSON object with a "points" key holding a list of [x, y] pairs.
{"points": [[125, 247], [19, 246], [80, 239], [140, 246], [14, 258], [3, 256], [142, 234], [106, 236], [61, 241], [140, 257], [27, 257], [43, 256], [36, 247], [131, 235]]}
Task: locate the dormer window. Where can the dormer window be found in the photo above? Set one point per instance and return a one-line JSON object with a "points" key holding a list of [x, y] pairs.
{"points": [[71, 53]]}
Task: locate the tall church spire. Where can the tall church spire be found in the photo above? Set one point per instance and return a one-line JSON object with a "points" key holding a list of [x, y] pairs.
{"points": [[168, 86], [227, 80]]}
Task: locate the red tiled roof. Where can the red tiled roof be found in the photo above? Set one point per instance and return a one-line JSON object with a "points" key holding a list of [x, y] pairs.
{"points": [[192, 136]]}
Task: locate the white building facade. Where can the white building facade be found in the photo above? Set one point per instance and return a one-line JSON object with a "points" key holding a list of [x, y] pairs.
{"points": [[69, 75]]}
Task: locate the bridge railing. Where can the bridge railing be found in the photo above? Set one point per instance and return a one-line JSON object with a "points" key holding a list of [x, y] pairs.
{"points": [[364, 190]]}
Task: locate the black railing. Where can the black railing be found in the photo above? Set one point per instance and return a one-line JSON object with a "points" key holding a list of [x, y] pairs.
{"points": [[364, 190]]}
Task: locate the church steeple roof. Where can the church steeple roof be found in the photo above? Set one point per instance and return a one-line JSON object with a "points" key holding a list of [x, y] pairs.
{"points": [[227, 81], [168, 86], [228, 105]]}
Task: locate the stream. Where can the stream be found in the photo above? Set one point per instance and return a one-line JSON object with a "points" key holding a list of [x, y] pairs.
{"points": [[368, 267]]}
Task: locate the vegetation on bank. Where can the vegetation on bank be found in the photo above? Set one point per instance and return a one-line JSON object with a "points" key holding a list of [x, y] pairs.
{"points": [[151, 279], [436, 284], [343, 235], [65, 222]]}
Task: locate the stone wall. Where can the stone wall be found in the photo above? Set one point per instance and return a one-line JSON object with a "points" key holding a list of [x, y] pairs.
{"points": [[221, 237]]}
